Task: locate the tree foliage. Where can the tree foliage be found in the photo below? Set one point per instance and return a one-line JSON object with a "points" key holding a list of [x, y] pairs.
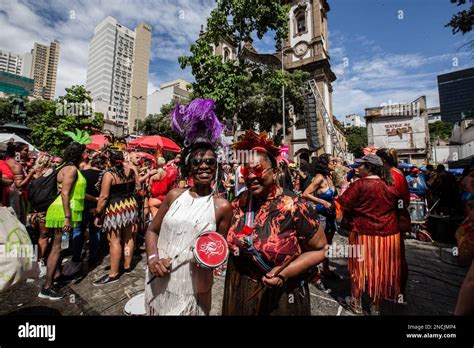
{"points": [[463, 20], [243, 90], [356, 140], [5, 109], [440, 130], [48, 130]]}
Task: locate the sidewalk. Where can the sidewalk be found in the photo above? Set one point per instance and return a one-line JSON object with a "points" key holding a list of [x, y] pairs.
{"points": [[433, 287]]}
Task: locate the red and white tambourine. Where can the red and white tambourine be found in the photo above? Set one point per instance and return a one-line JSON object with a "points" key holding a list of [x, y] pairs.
{"points": [[210, 250]]}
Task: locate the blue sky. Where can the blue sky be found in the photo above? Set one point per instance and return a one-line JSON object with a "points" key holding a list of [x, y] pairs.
{"points": [[386, 58]]}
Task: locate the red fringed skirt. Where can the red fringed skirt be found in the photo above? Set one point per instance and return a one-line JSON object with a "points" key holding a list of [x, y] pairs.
{"points": [[375, 267]]}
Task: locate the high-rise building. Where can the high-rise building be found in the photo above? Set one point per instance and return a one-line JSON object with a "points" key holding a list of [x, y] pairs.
{"points": [[27, 62], [141, 62], [44, 69], [10, 62], [456, 94], [111, 64]]}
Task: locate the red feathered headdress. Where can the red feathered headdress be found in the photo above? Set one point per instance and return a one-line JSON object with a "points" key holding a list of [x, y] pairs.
{"points": [[257, 142]]}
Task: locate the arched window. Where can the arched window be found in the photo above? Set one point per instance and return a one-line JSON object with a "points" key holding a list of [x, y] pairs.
{"points": [[226, 54], [300, 22]]}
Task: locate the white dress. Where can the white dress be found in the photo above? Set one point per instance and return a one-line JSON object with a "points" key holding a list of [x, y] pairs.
{"points": [[187, 289]]}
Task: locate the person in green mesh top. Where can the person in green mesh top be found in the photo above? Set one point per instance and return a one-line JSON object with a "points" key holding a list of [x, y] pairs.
{"points": [[65, 212]]}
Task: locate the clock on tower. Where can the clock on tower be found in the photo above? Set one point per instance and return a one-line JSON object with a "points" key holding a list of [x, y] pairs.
{"points": [[306, 48]]}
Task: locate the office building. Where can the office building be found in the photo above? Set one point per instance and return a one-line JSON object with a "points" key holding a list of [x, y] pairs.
{"points": [[111, 65], [456, 94]]}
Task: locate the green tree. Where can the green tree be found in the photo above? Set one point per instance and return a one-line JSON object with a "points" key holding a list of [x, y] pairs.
{"points": [[37, 108], [356, 140], [440, 130], [48, 131], [5, 109], [242, 90], [463, 20]]}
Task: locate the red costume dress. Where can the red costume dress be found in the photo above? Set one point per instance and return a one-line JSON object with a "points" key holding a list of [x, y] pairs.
{"points": [[371, 208]]}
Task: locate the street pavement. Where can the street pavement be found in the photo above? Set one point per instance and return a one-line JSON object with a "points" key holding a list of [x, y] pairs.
{"points": [[433, 287]]}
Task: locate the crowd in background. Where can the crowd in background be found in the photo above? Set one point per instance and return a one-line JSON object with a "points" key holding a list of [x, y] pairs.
{"points": [[105, 199]]}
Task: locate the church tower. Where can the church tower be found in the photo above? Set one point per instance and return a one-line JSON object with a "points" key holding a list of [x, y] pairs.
{"points": [[307, 48]]}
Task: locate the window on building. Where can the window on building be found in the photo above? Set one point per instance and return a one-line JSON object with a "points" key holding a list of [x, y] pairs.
{"points": [[226, 54], [300, 21]]}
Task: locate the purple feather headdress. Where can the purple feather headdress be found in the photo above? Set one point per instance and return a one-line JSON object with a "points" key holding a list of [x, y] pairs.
{"points": [[197, 122]]}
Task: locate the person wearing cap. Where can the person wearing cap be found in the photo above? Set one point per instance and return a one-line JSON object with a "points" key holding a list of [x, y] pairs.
{"points": [[416, 183], [370, 207]]}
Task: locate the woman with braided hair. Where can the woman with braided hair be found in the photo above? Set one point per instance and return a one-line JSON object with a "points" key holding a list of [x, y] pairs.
{"points": [[117, 213]]}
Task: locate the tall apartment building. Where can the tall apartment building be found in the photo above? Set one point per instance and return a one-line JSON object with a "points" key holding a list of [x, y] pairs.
{"points": [[111, 64], [141, 62], [44, 69], [10, 62]]}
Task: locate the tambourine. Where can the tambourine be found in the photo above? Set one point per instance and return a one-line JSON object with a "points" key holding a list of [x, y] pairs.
{"points": [[210, 250]]}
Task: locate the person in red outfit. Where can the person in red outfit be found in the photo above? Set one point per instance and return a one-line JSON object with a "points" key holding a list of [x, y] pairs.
{"points": [[373, 233], [390, 161], [159, 187]]}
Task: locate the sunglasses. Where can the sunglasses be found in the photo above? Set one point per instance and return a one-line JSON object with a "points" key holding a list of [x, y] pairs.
{"points": [[196, 162], [258, 170]]}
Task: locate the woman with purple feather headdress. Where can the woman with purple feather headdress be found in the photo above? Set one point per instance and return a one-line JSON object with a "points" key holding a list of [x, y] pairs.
{"points": [[175, 285]]}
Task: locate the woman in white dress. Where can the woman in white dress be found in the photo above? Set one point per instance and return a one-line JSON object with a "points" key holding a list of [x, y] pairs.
{"points": [[181, 287]]}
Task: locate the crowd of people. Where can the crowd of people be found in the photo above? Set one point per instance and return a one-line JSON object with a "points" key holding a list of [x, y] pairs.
{"points": [[277, 216]]}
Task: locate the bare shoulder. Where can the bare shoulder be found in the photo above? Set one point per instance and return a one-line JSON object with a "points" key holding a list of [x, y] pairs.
{"points": [[69, 170], [318, 178], [16, 168], [174, 194], [222, 204]]}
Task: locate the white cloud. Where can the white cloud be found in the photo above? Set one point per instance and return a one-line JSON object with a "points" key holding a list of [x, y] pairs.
{"points": [[374, 77]]}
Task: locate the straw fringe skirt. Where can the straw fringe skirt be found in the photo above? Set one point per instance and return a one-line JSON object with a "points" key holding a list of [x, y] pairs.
{"points": [[377, 270]]}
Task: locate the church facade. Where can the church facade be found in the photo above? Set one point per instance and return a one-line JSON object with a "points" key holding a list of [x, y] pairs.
{"points": [[306, 48]]}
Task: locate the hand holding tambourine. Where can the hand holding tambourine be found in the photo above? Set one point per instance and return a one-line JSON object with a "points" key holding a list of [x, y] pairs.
{"points": [[209, 248], [159, 267]]}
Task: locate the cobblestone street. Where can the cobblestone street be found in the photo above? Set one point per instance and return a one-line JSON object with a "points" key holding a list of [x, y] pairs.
{"points": [[433, 287]]}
